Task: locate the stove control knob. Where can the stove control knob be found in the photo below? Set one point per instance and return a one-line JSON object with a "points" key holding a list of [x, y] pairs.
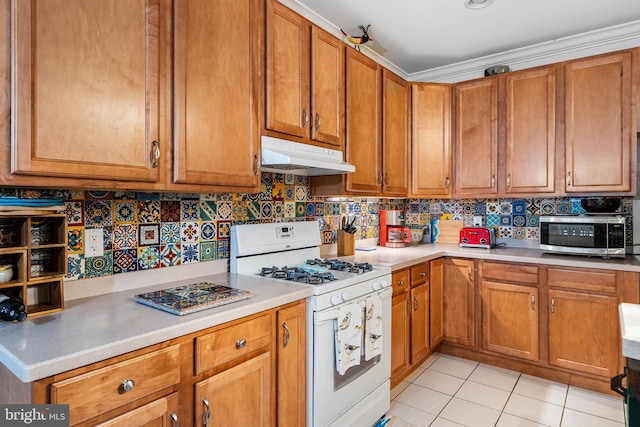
{"points": [[384, 283], [334, 300], [345, 296], [376, 286]]}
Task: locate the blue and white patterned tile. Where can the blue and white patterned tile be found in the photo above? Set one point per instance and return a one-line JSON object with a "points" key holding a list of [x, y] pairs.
{"points": [[533, 221], [125, 260], [519, 220], [75, 240], [208, 210], [563, 208], [208, 231], [506, 232], [519, 233], [189, 210], [519, 207], [224, 210], [124, 212], [505, 208], [169, 233], [533, 206], [224, 230], [148, 257], [223, 249], [75, 267], [505, 221], [493, 207]]}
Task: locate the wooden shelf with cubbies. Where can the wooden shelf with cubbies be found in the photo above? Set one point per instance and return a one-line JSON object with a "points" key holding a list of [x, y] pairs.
{"points": [[35, 247]]}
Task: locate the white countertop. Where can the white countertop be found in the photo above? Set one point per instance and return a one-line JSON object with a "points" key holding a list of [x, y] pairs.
{"points": [[398, 258], [97, 328], [630, 329]]}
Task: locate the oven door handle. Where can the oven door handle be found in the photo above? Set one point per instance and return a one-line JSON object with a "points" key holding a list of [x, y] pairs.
{"points": [[329, 315]]}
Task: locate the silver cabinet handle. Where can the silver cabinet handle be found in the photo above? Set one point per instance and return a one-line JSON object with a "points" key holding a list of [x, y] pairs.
{"points": [[127, 385], [380, 177], [493, 181], [241, 343], [569, 179], [423, 274], [305, 117], [286, 335], [415, 303], [207, 412], [256, 164], [409, 308], [469, 272], [553, 305], [174, 418], [447, 182], [508, 180], [533, 302], [318, 121], [386, 178], [155, 154]]}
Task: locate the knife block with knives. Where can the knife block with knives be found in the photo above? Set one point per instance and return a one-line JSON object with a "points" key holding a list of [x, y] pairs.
{"points": [[346, 243]]}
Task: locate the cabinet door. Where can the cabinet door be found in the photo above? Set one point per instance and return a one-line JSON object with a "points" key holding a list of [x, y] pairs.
{"points": [[287, 71], [431, 122], [216, 101], [531, 131], [327, 87], [363, 123], [583, 332], [400, 334], [292, 373], [86, 89], [476, 136], [459, 308], [419, 323], [159, 413], [510, 319], [237, 396], [395, 134], [599, 130], [436, 325]]}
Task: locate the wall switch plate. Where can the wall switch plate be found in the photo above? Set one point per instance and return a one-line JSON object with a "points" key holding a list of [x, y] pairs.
{"points": [[93, 242], [477, 221]]}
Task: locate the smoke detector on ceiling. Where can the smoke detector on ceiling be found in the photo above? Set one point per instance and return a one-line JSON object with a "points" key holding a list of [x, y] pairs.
{"points": [[478, 4]]}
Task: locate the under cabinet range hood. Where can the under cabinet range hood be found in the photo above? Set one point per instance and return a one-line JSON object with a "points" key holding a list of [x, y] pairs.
{"points": [[279, 155]]}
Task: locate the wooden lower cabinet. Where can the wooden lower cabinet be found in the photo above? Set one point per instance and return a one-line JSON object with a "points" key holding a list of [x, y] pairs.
{"points": [[436, 324], [419, 323], [510, 319], [236, 396], [584, 333], [459, 301], [400, 327], [249, 372], [159, 413]]}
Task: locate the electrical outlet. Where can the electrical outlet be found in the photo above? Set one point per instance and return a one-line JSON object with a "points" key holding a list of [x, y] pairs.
{"points": [[477, 221], [93, 242]]}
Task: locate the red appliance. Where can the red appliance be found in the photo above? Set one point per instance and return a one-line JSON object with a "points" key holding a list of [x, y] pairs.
{"points": [[477, 237], [393, 233]]}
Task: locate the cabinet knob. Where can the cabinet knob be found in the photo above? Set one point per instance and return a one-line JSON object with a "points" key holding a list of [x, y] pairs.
{"points": [[127, 385], [423, 274], [241, 343], [400, 282]]}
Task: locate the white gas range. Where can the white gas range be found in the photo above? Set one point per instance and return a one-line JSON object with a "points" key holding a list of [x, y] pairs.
{"points": [[348, 319]]}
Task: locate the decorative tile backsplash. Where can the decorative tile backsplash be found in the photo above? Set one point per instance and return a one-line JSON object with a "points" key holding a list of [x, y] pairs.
{"points": [[155, 230]]}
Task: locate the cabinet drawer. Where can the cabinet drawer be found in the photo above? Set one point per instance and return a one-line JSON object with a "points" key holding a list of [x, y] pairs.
{"points": [[101, 390], [419, 274], [520, 273], [400, 281], [227, 344], [590, 280]]}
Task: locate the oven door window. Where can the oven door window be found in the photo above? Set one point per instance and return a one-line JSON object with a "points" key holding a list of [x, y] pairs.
{"points": [[352, 373]]}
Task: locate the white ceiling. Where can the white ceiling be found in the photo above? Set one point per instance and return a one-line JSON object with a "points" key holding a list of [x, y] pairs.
{"points": [[420, 35]]}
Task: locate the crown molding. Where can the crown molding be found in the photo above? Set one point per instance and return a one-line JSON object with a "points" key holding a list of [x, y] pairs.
{"points": [[618, 37], [604, 40]]}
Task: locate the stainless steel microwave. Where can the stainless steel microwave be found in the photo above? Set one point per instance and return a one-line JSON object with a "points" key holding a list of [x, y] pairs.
{"points": [[583, 235]]}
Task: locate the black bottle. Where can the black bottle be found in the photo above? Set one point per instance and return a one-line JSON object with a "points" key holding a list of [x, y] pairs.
{"points": [[11, 309]]}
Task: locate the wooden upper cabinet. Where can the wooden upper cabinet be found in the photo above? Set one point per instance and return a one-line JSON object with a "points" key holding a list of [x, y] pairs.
{"points": [[327, 87], [476, 137], [288, 71], [530, 131], [600, 133], [86, 92], [396, 114], [363, 143], [216, 69], [305, 78], [431, 140]]}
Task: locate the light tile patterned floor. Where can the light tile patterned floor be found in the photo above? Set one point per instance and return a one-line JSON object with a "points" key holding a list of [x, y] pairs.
{"points": [[447, 391]]}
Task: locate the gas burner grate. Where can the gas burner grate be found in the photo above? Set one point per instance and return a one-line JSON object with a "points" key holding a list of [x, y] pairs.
{"points": [[296, 274]]}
